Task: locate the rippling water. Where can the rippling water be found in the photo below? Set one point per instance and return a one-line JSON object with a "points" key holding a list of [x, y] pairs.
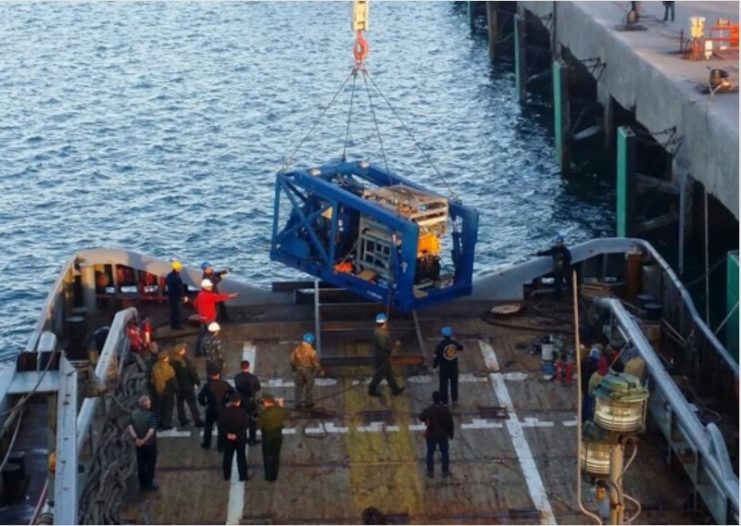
{"points": [[158, 127]]}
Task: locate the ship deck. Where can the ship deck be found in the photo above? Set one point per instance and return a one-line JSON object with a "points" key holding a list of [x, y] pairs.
{"points": [[353, 451]]}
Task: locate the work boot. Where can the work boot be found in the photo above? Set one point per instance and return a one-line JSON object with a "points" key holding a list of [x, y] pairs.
{"points": [[374, 393], [398, 391], [446, 474]]}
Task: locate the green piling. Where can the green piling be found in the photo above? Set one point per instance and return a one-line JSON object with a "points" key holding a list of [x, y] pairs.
{"points": [[562, 115], [625, 180], [732, 303]]}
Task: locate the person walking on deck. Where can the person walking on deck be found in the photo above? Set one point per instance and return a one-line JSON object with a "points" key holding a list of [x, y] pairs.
{"points": [[305, 365], [248, 386], [382, 349], [561, 264], [205, 305], [175, 290], [271, 425], [187, 380], [143, 430], [163, 381], [233, 422], [668, 10], [440, 429], [446, 358], [213, 396], [216, 277]]}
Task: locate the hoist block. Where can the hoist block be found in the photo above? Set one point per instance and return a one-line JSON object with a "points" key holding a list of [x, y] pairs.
{"points": [[374, 233]]}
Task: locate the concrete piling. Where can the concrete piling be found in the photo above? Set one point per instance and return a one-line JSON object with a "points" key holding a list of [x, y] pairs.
{"points": [[562, 115], [521, 57], [492, 24], [626, 146]]}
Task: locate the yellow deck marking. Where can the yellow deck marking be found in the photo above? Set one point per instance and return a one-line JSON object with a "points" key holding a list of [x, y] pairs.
{"points": [[384, 467]]}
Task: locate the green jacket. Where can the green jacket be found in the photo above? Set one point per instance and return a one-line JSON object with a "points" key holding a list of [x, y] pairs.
{"points": [[271, 422]]}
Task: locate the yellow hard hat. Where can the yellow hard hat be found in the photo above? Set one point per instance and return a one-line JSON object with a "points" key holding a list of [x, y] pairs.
{"points": [[176, 265]]}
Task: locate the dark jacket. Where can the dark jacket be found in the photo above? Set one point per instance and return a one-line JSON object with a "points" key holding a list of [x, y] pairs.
{"points": [[439, 422], [382, 345], [185, 374], [561, 257], [142, 420], [215, 278], [446, 355], [588, 368], [233, 419], [247, 385], [175, 286], [213, 395]]}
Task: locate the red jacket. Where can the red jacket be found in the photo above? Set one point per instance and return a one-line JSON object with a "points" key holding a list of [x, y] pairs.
{"points": [[205, 304]]}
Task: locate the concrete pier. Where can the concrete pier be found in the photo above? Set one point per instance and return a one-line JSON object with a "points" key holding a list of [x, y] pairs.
{"points": [[645, 74]]}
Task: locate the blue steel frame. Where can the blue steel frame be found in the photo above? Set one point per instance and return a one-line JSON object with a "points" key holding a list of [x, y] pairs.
{"points": [[299, 186]]}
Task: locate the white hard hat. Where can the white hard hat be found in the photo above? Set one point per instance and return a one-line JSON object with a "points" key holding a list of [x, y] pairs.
{"points": [[206, 284], [214, 327]]}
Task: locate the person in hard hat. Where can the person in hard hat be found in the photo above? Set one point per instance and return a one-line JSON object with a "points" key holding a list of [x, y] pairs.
{"points": [[446, 358], [213, 397], [439, 430], [187, 380], [305, 365], [175, 293], [382, 349], [205, 304], [163, 381], [216, 277], [212, 347], [248, 386], [561, 263], [270, 423]]}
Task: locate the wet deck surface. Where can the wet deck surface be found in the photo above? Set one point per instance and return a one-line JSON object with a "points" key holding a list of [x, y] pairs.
{"points": [[356, 451]]}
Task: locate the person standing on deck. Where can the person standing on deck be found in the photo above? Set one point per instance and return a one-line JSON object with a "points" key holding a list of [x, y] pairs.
{"points": [[163, 381], [446, 357], [175, 290], [248, 386], [271, 425], [212, 347], [205, 304], [588, 368], [561, 263], [305, 366], [213, 396], [216, 277], [143, 429], [382, 349], [187, 379], [233, 422], [668, 10], [440, 429]]}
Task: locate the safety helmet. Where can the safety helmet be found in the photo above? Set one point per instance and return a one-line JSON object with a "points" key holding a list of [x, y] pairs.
{"points": [[381, 318], [309, 337], [214, 327], [558, 239], [205, 265], [595, 353], [176, 265], [447, 332], [207, 284]]}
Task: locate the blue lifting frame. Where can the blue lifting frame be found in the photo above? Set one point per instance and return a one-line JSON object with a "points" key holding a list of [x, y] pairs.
{"points": [[326, 203]]}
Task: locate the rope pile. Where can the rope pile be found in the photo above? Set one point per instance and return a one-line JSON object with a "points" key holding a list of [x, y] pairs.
{"points": [[113, 464]]}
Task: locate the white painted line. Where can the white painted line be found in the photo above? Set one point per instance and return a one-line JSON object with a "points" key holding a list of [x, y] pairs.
{"points": [[392, 428], [417, 427], [173, 433], [480, 423], [325, 382], [490, 358], [519, 441], [515, 376], [373, 427], [534, 422], [569, 423], [235, 508]]}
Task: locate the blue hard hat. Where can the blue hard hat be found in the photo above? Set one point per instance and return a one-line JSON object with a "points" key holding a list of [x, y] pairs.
{"points": [[558, 239], [205, 265], [381, 318], [447, 332], [309, 337]]}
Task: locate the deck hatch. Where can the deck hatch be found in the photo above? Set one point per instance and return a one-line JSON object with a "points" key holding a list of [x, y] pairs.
{"points": [[383, 415]]}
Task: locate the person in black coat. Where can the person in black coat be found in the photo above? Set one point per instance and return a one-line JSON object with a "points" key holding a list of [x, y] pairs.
{"points": [[440, 429], [175, 289], [213, 395], [233, 421], [187, 379], [561, 264], [248, 385], [446, 358]]}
